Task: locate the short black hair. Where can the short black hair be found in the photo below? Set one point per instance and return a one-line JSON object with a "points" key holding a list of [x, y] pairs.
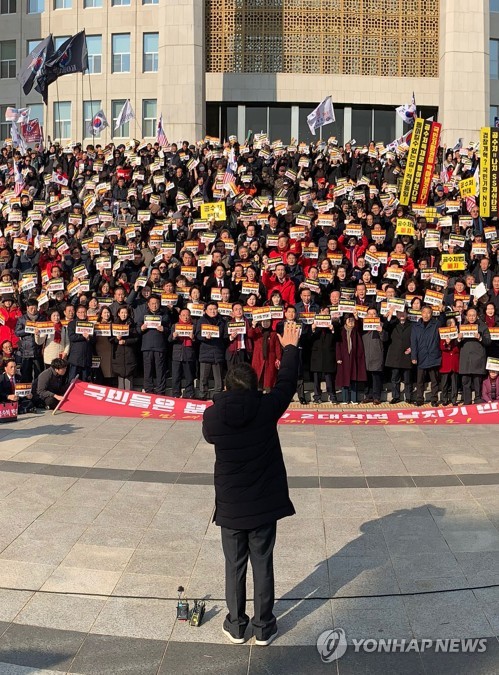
{"points": [[59, 363], [241, 376]]}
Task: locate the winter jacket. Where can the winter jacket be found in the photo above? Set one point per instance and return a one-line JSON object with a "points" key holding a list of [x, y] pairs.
{"points": [[473, 355], [450, 356], [124, 357], [251, 486], [27, 346], [425, 344], [211, 350], [8, 321], [81, 350], [399, 340], [49, 383], [374, 349]]}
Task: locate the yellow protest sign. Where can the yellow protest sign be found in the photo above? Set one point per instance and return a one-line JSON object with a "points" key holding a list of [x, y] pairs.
{"points": [[213, 210], [467, 187], [453, 261], [405, 227]]}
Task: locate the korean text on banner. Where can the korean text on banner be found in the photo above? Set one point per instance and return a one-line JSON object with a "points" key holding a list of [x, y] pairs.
{"points": [[213, 210], [420, 162], [489, 172]]}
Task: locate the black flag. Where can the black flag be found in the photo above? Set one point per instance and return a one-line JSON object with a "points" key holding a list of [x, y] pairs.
{"points": [[71, 57], [33, 64]]}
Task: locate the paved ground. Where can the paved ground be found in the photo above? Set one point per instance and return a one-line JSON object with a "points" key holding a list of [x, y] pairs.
{"points": [[101, 520]]}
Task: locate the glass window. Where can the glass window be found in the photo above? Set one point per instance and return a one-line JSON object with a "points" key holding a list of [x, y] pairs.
{"points": [[36, 6], [150, 52], [62, 4], [120, 3], [90, 108], [62, 120], [7, 59], [280, 124], [334, 129], [212, 119], [362, 125], [92, 4], [36, 112], [150, 2], [493, 114], [121, 53], [59, 41], [4, 126], [494, 5], [8, 6], [256, 119], [94, 47], [149, 117], [384, 125], [494, 59], [231, 122], [124, 130], [30, 45]]}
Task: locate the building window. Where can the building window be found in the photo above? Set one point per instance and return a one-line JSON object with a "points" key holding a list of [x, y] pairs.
{"points": [[59, 41], [121, 53], [150, 2], [62, 4], [62, 120], [90, 109], [4, 126], [120, 3], [494, 112], [8, 6], [494, 5], [94, 47], [92, 4], [150, 53], [7, 59], [36, 6], [149, 117], [30, 45], [362, 126], [124, 130], [36, 112], [384, 125], [494, 59]]}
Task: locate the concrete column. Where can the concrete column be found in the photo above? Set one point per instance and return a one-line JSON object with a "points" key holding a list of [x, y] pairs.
{"points": [[181, 76], [241, 123], [295, 122], [399, 126], [464, 94], [347, 125]]}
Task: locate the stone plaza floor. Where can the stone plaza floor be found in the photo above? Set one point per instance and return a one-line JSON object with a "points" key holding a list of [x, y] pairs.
{"points": [[396, 536]]}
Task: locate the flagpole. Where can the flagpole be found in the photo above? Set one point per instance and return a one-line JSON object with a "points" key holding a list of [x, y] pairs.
{"points": [[91, 109]]}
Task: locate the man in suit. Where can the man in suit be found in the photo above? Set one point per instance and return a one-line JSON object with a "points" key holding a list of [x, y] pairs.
{"points": [[8, 389], [242, 424], [219, 280], [483, 274], [304, 307]]}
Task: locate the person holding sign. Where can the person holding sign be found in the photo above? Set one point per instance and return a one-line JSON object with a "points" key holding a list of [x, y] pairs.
{"points": [[55, 345], [474, 338], [81, 349], [449, 369], [153, 327], [323, 364], [8, 393], [490, 387], [210, 331], [124, 348], [29, 351], [373, 337], [183, 355]]}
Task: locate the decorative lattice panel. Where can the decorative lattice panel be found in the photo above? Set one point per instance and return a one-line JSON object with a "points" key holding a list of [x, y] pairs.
{"points": [[352, 37]]}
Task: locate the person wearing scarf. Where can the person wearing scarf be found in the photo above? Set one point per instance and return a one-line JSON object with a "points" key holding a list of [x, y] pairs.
{"points": [[183, 357], [55, 346]]}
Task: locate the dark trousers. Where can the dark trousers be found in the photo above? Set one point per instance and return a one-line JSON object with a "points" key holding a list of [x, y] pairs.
{"points": [[399, 375], [187, 369], [83, 373], [350, 393], [154, 372], [374, 384], [51, 402], [258, 544], [448, 385], [420, 384], [471, 383], [204, 374], [31, 368], [330, 385]]}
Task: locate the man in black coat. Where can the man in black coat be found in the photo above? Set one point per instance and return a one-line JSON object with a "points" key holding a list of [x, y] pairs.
{"points": [[153, 325], [51, 385], [251, 488], [398, 355]]}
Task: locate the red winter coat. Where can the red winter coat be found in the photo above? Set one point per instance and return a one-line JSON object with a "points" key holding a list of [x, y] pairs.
{"points": [[265, 367], [352, 253], [8, 319], [286, 289], [353, 364], [450, 356]]}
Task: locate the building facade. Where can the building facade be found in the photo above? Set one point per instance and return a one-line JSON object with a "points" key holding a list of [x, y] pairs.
{"points": [[224, 67]]}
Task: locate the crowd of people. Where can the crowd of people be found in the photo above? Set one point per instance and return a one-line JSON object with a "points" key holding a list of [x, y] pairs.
{"points": [[139, 261]]}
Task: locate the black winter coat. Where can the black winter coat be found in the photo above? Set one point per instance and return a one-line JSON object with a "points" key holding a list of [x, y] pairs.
{"points": [[251, 487], [124, 357], [27, 347], [473, 356], [399, 341], [211, 350], [323, 351], [81, 350]]}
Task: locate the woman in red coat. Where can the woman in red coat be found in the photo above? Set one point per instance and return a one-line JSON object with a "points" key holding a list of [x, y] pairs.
{"points": [[9, 314], [267, 353], [351, 361], [449, 369]]}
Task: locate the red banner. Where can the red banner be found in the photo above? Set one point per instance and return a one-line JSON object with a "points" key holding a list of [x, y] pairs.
{"points": [[94, 399], [31, 131], [8, 411]]}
